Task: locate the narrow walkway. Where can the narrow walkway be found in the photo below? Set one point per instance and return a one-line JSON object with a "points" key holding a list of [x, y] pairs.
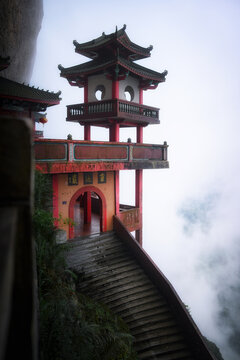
{"points": [[112, 276]]}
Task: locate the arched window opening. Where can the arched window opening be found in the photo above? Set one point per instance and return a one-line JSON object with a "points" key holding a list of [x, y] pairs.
{"points": [[129, 93], [100, 92]]}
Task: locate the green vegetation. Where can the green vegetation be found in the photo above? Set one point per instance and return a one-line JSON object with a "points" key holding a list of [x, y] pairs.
{"points": [[72, 326], [211, 345], [214, 349]]}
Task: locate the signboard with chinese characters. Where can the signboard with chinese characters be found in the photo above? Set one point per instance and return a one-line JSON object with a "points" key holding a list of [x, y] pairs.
{"points": [[88, 178], [73, 179], [102, 177]]}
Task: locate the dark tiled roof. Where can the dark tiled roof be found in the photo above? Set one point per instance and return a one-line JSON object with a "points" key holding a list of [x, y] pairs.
{"points": [[119, 37], [96, 66], [13, 90]]}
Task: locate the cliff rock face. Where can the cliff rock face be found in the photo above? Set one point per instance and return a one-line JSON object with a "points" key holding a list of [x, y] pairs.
{"points": [[20, 23]]}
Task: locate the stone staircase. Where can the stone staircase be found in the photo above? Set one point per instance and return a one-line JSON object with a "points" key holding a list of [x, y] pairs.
{"points": [[113, 277]]}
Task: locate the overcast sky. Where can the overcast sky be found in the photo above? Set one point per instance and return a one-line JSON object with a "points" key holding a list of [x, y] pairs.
{"points": [[191, 211]]}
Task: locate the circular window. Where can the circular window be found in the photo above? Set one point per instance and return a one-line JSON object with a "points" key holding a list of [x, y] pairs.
{"points": [[100, 92], [129, 93]]}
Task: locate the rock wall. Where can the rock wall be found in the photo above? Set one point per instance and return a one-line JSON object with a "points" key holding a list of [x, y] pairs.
{"points": [[20, 23]]}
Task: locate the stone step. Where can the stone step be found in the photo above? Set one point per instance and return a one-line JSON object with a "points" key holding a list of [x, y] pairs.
{"points": [[111, 275]]}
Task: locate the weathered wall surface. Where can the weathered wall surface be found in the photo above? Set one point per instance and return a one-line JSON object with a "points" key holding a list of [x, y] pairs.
{"points": [[20, 23]]}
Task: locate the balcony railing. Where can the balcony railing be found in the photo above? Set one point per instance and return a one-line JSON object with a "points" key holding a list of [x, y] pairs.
{"points": [[130, 217], [38, 134], [102, 110]]}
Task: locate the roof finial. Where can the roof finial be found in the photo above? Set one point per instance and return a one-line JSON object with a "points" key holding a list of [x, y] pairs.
{"points": [[116, 29], [124, 27]]}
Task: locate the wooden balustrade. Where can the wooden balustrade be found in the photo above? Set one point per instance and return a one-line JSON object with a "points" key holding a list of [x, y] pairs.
{"points": [[112, 109]]}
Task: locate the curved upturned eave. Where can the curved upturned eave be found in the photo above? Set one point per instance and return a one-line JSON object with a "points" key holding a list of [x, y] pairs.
{"points": [[86, 69], [90, 48]]}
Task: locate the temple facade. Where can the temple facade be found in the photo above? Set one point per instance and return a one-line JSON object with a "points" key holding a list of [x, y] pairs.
{"points": [[86, 173]]}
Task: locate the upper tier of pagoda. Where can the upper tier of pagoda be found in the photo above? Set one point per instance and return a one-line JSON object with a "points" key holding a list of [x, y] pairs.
{"points": [[112, 55], [108, 44]]}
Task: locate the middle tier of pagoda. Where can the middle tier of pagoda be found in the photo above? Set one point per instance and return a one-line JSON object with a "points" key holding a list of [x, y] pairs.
{"points": [[113, 83]]}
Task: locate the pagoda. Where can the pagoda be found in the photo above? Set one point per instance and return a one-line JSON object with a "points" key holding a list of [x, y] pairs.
{"points": [[115, 268], [113, 87]]}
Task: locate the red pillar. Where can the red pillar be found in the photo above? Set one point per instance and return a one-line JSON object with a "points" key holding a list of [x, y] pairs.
{"points": [[139, 134], [114, 136], [138, 202], [87, 132], [114, 132], [55, 198], [115, 89], [86, 91], [116, 173], [140, 96], [87, 207], [87, 128]]}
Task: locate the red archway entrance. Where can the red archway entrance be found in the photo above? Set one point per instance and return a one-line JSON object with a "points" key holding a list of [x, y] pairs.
{"points": [[84, 200]]}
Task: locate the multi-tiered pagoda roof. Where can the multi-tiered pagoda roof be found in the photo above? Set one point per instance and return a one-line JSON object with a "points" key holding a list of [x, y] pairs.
{"points": [[117, 40], [115, 55]]}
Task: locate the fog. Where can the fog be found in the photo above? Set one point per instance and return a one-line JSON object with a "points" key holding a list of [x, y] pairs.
{"points": [[191, 210]]}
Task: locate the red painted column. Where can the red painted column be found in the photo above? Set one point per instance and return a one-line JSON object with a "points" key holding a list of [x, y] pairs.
{"points": [[139, 177], [138, 201], [114, 128], [140, 96], [114, 132], [140, 128], [87, 128], [55, 198], [87, 207], [87, 132], [115, 89], [139, 134], [86, 91], [116, 173]]}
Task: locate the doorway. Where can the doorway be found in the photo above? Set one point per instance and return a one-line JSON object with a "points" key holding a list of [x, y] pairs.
{"points": [[87, 216], [87, 208]]}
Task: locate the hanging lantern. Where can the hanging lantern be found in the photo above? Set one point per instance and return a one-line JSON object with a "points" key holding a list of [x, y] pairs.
{"points": [[43, 120]]}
